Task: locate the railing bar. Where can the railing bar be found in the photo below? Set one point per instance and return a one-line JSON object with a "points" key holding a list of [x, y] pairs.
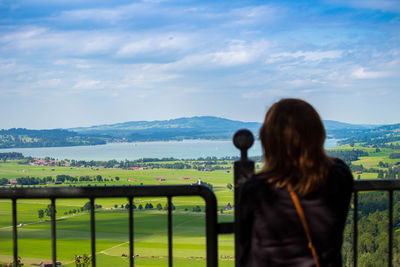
{"points": [[93, 232], [390, 228], [169, 232], [211, 233], [53, 231], [15, 234], [355, 229], [131, 255]]}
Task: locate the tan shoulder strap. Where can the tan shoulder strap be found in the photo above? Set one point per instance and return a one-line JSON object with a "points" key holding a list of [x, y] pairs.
{"points": [[304, 223]]}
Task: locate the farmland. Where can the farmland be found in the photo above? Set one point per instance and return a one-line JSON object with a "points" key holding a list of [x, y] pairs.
{"points": [[150, 230], [73, 232]]}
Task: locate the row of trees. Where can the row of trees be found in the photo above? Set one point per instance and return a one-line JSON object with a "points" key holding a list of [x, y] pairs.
{"points": [[62, 178], [49, 210], [11, 156], [147, 206]]}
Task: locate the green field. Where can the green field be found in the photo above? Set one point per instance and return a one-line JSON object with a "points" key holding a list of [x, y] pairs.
{"points": [[150, 228], [73, 230]]}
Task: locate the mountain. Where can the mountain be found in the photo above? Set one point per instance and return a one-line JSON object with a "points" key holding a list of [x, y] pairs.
{"points": [[203, 127], [337, 125], [19, 138]]}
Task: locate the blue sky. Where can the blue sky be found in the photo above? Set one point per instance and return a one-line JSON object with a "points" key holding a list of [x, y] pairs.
{"points": [[70, 63]]}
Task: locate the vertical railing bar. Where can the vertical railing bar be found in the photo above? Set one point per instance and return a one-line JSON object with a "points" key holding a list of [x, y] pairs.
{"points": [[211, 233], [355, 229], [15, 234], [53, 231], [131, 255], [93, 232], [390, 228], [169, 232]]}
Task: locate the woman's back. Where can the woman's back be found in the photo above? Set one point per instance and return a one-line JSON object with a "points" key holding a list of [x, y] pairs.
{"points": [[271, 233]]}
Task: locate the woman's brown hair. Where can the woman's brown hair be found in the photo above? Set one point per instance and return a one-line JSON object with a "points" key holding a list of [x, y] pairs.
{"points": [[292, 138]]}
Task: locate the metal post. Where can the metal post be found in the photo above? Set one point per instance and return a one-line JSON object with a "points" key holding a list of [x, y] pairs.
{"points": [[15, 235], [53, 231], [355, 229], [243, 170], [93, 232], [169, 232], [390, 263], [131, 252]]}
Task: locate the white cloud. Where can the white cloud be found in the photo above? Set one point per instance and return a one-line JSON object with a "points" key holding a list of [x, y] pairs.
{"points": [[305, 55], [304, 82], [236, 53], [87, 85], [162, 43], [361, 73], [254, 14], [47, 83]]}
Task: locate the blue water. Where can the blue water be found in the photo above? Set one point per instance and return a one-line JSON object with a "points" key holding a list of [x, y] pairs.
{"points": [[187, 149]]}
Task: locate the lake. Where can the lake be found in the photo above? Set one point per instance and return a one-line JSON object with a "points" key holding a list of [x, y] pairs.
{"points": [[187, 149]]}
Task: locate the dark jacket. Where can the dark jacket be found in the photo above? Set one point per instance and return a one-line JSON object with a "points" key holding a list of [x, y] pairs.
{"points": [[271, 233]]}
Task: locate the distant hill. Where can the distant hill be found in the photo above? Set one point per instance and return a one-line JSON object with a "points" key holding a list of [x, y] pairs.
{"points": [[337, 125], [18, 138], [204, 127]]}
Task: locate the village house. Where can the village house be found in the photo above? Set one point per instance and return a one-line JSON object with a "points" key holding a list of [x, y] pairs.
{"points": [[160, 179]]}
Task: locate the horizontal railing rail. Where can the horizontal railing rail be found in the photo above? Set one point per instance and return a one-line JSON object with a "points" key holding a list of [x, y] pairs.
{"points": [[129, 192]]}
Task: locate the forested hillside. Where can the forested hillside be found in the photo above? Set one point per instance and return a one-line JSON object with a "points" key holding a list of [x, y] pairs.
{"points": [[14, 138], [204, 127]]}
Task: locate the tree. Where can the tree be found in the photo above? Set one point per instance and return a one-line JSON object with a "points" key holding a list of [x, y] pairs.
{"points": [[82, 261], [229, 186], [116, 178], [87, 206], [40, 214], [49, 211], [159, 206], [99, 178], [197, 209], [140, 207]]}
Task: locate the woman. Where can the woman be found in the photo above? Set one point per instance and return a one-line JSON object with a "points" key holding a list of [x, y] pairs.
{"points": [[271, 232]]}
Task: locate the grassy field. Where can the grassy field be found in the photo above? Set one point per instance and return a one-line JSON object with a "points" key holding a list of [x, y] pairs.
{"points": [[73, 229], [150, 233]]}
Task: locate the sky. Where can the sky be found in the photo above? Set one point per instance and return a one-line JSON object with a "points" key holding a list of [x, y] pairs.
{"points": [[70, 63]]}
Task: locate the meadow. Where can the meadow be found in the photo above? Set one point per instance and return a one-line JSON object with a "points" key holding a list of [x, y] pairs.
{"points": [[73, 229], [150, 228]]}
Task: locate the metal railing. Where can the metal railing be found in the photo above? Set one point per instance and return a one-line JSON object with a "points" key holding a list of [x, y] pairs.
{"points": [[374, 185], [129, 192], [243, 169]]}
